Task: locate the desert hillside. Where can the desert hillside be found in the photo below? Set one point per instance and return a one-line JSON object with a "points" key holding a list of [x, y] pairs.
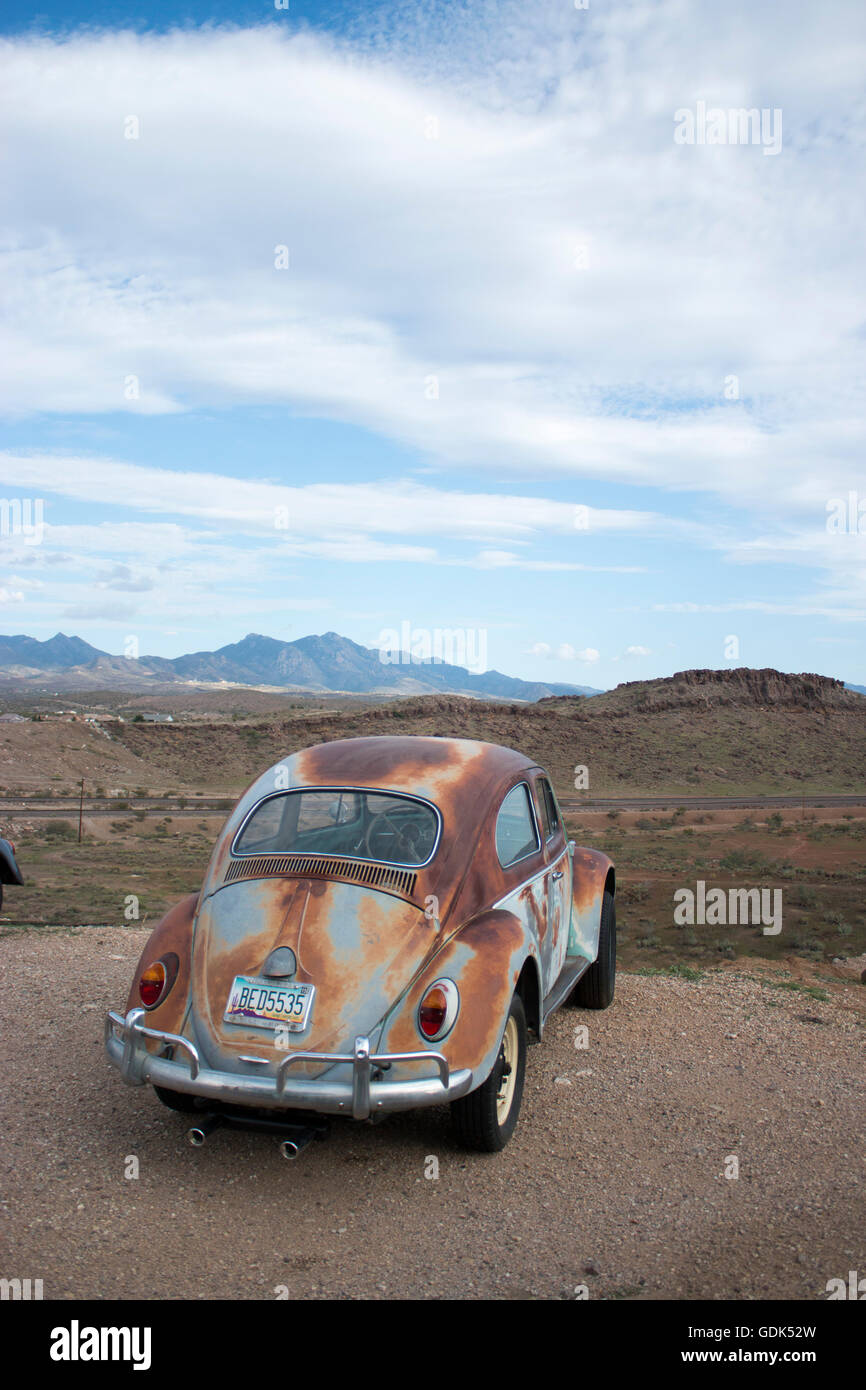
{"points": [[717, 732]]}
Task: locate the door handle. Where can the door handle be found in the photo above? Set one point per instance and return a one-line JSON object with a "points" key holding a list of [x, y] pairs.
{"points": [[557, 875]]}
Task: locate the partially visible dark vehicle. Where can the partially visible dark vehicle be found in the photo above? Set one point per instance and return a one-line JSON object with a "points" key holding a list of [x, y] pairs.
{"points": [[9, 870]]}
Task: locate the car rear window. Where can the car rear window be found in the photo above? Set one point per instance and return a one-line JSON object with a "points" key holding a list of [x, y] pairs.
{"points": [[384, 827]]}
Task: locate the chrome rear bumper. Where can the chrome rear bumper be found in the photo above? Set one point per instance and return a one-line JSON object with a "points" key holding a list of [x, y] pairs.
{"points": [[352, 1092]]}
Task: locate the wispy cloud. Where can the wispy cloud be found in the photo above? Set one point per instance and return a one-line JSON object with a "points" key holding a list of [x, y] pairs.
{"points": [[433, 221]]}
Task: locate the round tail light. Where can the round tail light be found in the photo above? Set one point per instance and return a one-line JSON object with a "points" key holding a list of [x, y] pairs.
{"points": [[152, 984], [438, 1010]]}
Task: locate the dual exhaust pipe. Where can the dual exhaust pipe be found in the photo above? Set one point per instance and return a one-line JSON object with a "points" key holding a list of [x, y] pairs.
{"points": [[296, 1139], [199, 1133]]}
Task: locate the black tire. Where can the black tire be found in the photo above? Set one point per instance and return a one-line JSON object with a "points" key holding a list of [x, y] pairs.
{"points": [[594, 989], [177, 1100], [479, 1121]]}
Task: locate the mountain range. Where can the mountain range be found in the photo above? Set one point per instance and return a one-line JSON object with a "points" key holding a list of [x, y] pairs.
{"points": [[325, 663]]}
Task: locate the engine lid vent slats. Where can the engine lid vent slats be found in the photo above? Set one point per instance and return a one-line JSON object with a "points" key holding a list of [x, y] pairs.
{"points": [[400, 881]]}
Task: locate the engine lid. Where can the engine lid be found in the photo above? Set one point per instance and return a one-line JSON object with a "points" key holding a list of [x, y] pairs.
{"points": [[359, 947]]}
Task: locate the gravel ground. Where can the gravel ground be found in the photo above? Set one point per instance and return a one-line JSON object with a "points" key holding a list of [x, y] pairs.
{"points": [[615, 1178]]}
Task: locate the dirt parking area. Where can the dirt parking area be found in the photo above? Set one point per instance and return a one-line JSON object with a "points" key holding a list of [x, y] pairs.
{"points": [[619, 1179]]}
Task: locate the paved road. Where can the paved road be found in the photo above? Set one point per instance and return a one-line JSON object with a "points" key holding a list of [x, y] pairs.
{"points": [[710, 803], [68, 806]]}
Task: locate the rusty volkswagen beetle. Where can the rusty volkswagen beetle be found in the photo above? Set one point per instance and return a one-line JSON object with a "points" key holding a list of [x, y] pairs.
{"points": [[382, 922]]}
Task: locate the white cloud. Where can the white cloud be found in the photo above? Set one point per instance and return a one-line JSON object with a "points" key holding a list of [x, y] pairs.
{"points": [[293, 515], [804, 608], [454, 256], [563, 652], [139, 275]]}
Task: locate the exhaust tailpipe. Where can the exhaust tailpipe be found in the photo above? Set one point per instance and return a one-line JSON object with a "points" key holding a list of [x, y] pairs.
{"points": [[292, 1146], [206, 1125]]}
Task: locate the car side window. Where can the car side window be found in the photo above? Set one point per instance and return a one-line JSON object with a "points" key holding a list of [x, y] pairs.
{"points": [[543, 804], [516, 835], [551, 810]]}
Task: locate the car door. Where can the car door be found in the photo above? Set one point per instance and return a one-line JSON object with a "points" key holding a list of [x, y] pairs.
{"points": [[557, 881]]}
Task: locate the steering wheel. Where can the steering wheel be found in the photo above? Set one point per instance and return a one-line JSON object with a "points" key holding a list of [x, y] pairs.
{"points": [[406, 842]]}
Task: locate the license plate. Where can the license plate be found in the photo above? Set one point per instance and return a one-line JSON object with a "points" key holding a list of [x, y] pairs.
{"points": [[262, 1004]]}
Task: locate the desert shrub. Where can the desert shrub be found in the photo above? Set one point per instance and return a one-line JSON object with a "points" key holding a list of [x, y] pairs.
{"points": [[60, 830], [633, 892], [741, 861]]}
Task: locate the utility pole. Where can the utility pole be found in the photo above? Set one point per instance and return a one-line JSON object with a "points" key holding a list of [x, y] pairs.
{"points": [[80, 810]]}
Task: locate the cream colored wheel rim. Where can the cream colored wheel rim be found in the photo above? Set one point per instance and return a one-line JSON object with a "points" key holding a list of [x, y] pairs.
{"points": [[505, 1095]]}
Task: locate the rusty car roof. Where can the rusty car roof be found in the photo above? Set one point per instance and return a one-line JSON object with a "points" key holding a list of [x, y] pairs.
{"points": [[426, 766], [464, 778]]}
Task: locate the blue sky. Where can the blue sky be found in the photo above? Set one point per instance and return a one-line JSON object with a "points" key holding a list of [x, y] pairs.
{"points": [[344, 317]]}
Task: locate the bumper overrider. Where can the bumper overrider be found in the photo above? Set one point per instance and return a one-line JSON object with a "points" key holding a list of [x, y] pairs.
{"points": [[348, 1088]]}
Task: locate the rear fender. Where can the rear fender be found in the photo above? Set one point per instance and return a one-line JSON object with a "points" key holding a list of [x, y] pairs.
{"points": [[172, 935], [592, 872], [484, 958]]}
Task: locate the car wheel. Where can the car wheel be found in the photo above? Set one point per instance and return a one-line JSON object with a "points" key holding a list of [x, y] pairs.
{"points": [[177, 1100], [485, 1119], [594, 989]]}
